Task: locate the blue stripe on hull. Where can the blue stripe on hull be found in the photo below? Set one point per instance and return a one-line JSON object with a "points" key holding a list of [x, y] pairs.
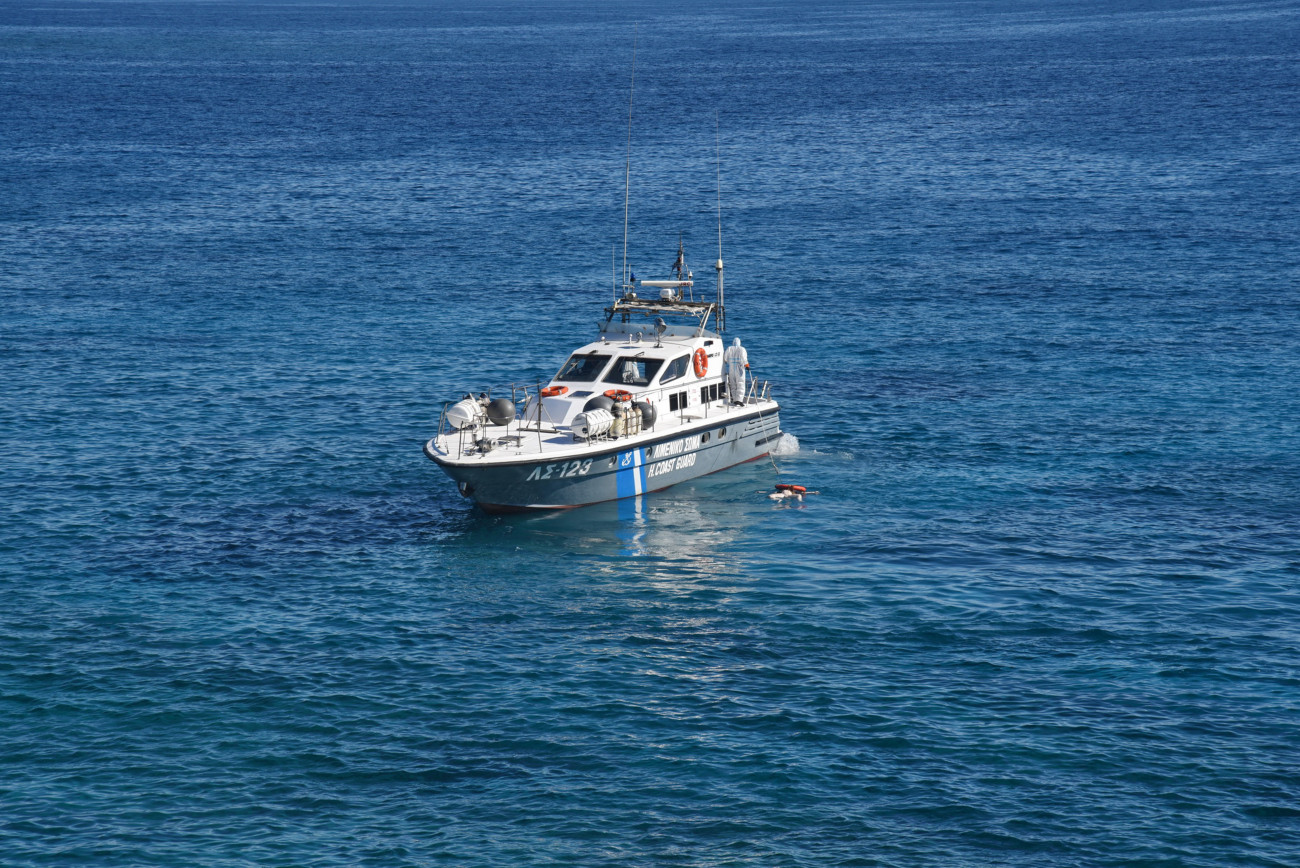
{"points": [[630, 476]]}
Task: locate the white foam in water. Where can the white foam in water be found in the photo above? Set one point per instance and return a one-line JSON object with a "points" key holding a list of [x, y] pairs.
{"points": [[787, 445]]}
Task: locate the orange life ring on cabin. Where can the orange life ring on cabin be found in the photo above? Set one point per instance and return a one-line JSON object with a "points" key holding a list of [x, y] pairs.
{"points": [[701, 362], [553, 391], [618, 395]]}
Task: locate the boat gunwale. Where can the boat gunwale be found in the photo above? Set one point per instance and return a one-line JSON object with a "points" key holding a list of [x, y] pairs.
{"points": [[624, 445]]}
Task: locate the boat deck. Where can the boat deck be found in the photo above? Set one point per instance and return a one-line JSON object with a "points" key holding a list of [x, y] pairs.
{"points": [[526, 441]]}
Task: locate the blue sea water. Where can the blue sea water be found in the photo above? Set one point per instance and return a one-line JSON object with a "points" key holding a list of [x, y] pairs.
{"points": [[1024, 275]]}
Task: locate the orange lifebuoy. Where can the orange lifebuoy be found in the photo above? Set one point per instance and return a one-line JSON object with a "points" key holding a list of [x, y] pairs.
{"points": [[797, 489], [618, 395], [701, 362], [552, 391]]}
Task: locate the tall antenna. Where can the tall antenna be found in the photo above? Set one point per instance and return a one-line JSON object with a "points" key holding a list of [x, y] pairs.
{"points": [[627, 173], [717, 150]]}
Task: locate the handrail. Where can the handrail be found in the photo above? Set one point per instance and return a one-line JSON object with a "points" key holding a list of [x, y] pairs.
{"points": [[758, 392]]}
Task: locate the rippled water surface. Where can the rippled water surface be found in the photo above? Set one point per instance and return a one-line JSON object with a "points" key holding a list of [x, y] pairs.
{"points": [[1024, 276]]}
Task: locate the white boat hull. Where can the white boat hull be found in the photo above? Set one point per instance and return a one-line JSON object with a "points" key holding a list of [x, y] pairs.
{"points": [[614, 469]]}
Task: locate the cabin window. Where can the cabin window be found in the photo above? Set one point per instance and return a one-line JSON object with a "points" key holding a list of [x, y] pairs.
{"points": [[672, 403], [634, 371], [722, 432], [583, 369], [676, 369], [704, 438]]}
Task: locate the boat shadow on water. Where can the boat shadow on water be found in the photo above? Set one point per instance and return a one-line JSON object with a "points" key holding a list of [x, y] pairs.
{"points": [[699, 527], [707, 515]]}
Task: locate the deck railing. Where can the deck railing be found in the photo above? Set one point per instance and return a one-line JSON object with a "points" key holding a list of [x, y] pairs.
{"points": [[758, 392]]}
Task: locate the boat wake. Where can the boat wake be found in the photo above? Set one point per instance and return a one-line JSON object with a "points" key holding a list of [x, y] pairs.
{"points": [[787, 445]]}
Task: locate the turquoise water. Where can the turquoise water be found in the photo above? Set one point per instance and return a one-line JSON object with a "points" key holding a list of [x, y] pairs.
{"points": [[1023, 275]]}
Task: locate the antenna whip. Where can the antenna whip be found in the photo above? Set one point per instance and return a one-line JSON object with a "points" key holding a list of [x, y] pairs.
{"points": [[627, 172], [717, 150]]}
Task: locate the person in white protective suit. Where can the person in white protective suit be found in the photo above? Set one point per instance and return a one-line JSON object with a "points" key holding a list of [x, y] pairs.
{"points": [[736, 362]]}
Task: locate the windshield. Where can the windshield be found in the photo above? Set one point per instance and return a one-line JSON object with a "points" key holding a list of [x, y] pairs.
{"points": [[582, 369], [634, 371]]}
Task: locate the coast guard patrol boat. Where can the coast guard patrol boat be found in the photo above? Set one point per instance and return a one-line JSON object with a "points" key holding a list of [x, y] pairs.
{"points": [[655, 400]]}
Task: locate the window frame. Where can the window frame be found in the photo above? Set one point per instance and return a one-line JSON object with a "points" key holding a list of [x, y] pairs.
{"points": [[596, 379], [614, 370], [686, 366]]}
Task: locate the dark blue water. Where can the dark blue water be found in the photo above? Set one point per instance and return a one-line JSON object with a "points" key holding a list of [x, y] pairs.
{"points": [[1024, 276]]}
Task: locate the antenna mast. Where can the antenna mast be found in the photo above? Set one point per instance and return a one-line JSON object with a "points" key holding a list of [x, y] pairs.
{"points": [[627, 172], [717, 145]]}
